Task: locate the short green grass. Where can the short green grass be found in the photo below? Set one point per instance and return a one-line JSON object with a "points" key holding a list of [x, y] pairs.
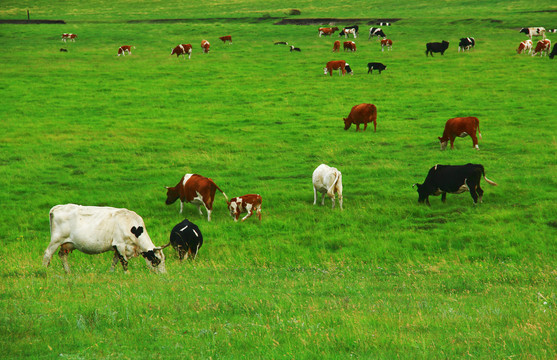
{"points": [[385, 278]]}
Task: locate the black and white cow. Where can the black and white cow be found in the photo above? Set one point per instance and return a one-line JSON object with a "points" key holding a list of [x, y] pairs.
{"points": [[375, 66], [186, 239], [533, 31], [384, 23], [454, 179], [466, 44], [436, 47], [553, 52], [292, 48], [375, 31], [354, 29]]}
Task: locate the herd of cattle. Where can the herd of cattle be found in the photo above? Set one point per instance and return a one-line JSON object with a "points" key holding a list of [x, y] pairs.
{"points": [[95, 230]]}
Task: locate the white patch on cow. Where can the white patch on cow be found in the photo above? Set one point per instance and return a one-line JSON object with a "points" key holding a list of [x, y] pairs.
{"points": [[477, 147], [184, 228], [195, 232], [444, 145], [463, 134], [186, 178]]}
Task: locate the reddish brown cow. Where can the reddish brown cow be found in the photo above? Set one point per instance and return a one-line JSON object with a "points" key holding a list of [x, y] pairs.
{"points": [[336, 46], [205, 46], [388, 43], [327, 31], [66, 36], [125, 48], [182, 49], [340, 65], [461, 127], [542, 47], [363, 113], [349, 45], [524, 46], [226, 38], [195, 189], [246, 203]]}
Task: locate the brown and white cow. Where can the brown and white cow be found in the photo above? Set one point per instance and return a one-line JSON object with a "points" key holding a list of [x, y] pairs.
{"points": [[339, 65], [461, 127], [386, 43], [66, 37], [351, 30], [125, 48], [525, 46], [363, 113], [336, 46], [182, 49], [327, 31], [247, 203], [226, 38], [195, 189], [349, 45], [533, 31], [205, 46], [542, 47]]}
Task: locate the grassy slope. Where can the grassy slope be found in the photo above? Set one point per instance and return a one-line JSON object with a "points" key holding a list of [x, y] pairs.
{"points": [[385, 277]]}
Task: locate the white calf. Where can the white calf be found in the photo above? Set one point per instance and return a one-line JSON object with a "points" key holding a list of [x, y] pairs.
{"points": [[327, 180]]}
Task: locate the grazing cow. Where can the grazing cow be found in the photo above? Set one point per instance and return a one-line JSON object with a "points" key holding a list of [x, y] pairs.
{"points": [[436, 47], [186, 239], [363, 113], [384, 23], [525, 46], [327, 31], [292, 48], [375, 66], [339, 65], [125, 48], [466, 44], [375, 31], [349, 45], [182, 49], [454, 179], [349, 30], [94, 230], [461, 127], [195, 189], [552, 30], [226, 38], [247, 203], [336, 46], [553, 52], [386, 43], [533, 31], [327, 180], [71, 37], [542, 47], [205, 46], [281, 43], [63, 50]]}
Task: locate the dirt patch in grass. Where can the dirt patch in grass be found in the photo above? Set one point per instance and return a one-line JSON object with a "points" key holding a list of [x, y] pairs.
{"points": [[32, 22], [330, 21]]}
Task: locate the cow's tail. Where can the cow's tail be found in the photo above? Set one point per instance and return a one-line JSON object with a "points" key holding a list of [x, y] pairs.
{"points": [[218, 188], [331, 190], [490, 182], [478, 124]]}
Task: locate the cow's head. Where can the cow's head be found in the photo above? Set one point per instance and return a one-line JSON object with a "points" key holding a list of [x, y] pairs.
{"points": [[347, 123], [234, 208], [348, 69], [445, 44], [325, 70], [422, 194], [524, 30], [155, 259], [443, 143], [171, 195]]}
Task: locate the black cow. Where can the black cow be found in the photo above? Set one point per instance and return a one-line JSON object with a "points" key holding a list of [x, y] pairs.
{"points": [[281, 43], [454, 179], [292, 48], [553, 52], [63, 50], [436, 47], [186, 239], [341, 33], [466, 44], [375, 66], [375, 31]]}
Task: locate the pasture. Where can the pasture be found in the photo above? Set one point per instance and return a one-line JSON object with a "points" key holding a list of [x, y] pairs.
{"points": [[384, 278]]}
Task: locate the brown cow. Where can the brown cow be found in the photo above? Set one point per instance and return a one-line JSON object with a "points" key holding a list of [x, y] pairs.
{"points": [[226, 38], [336, 46], [339, 65], [205, 46], [71, 37], [182, 49], [363, 113], [524, 46], [195, 189], [327, 31], [461, 127], [543, 47], [349, 45], [125, 48], [388, 43], [246, 203]]}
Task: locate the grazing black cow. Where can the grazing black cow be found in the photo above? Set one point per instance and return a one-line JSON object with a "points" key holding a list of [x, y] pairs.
{"points": [[63, 50], [454, 179], [436, 47], [553, 52], [186, 239], [466, 43], [356, 27], [292, 48], [375, 66], [375, 31], [281, 43]]}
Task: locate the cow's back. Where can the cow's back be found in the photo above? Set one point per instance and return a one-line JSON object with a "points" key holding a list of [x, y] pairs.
{"points": [[324, 177]]}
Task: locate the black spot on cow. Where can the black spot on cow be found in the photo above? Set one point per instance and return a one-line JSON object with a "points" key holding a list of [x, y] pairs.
{"points": [[137, 231]]}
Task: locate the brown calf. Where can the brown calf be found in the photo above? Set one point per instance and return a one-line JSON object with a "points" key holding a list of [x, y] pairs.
{"points": [[461, 127], [205, 46], [226, 38], [246, 203], [327, 31], [336, 46], [363, 113], [349, 45]]}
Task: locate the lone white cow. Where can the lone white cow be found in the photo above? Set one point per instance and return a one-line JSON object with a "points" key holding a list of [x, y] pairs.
{"points": [[327, 180], [94, 230]]}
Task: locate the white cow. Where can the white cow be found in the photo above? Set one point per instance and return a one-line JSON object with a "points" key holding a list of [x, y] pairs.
{"points": [[94, 230], [327, 180], [533, 31]]}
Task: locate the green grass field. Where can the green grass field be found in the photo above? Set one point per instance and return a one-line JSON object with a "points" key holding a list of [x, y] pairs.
{"points": [[385, 278]]}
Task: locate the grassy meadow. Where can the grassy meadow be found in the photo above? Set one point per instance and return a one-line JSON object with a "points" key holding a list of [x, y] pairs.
{"points": [[385, 278]]}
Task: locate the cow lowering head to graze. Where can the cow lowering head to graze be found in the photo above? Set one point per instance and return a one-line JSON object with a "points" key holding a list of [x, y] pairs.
{"points": [[386, 43], [384, 23], [454, 179], [182, 49], [63, 50], [292, 48], [542, 47], [186, 239], [375, 31], [71, 37], [205, 46], [336, 46], [525, 47], [375, 66], [533, 31], [361, 114], [125, 48], [466, 44], [245, 204], [328, 181], [349, 30], [349, 45], [194, 189], [327, 31], [281, 43], [438, 47], [339, 65], [461, 127], [94, 230], [553, 52], [226, 38]]}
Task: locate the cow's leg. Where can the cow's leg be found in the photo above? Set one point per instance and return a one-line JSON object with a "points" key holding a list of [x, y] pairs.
{"points": [[314, 195], [480, 192], [123, 260], [444, 197], [115, 260], [340, 200], [54, 244], [452, 142], [472, 188], [65, 249], [249, 209], [259, 211], [427, 201], [181, 206], [374, 125], [333, 201], [365, 126], [323, 199], [357, 127], [474, 140]]}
